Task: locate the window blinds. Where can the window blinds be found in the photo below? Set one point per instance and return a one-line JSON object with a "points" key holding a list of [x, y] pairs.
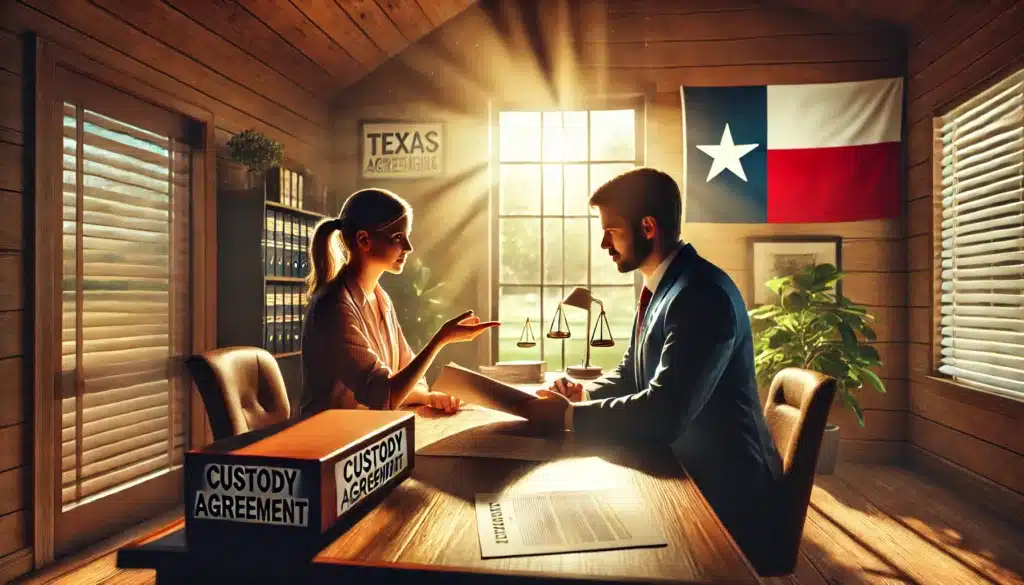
{"points": [[125, 304], [982, 273]]}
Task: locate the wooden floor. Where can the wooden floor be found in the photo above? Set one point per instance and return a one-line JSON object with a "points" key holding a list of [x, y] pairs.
{"points": [[867, 524]]}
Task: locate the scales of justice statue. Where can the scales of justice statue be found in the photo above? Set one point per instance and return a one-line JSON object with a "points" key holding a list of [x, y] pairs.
{"points": [[601, 336]]}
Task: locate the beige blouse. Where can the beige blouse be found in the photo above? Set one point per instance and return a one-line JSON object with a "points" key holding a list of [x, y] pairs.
{"points": [[352, 344]]}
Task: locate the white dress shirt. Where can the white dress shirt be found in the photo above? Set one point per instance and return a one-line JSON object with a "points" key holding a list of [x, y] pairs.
{"points": [[650, 284]]}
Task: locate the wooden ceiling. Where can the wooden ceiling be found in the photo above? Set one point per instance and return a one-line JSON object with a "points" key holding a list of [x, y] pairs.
{"points": [[322, 46], [901, 13]]}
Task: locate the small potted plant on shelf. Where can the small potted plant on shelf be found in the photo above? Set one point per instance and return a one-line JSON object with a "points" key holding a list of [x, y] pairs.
{"points": [[816, 328], [255, 151]]}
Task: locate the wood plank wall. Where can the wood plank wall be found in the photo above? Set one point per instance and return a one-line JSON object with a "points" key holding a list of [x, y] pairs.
{"points": [[652, 47], [961, 434], [15, 367], [207, 72]]}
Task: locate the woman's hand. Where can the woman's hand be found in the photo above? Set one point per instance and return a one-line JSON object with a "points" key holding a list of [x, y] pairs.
{"points": [[465, 327], [442, 401]]}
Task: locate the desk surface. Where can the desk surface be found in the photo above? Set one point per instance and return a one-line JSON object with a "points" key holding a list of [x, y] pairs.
{"points": [[427, 523]]}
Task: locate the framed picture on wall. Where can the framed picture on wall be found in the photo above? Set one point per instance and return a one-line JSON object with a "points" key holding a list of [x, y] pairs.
{"points": [[398, 149], [773, 257]]}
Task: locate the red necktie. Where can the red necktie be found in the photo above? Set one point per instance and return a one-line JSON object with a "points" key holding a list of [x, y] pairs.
{"points": [[645, 301]]}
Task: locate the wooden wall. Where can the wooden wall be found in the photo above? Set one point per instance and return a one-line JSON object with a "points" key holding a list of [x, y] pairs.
{"points": [[15, 316], [951, 428], [142, 49], [650, 47]]}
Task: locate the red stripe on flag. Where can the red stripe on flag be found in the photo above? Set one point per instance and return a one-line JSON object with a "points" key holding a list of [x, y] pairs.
{"points": [[844, 183]]}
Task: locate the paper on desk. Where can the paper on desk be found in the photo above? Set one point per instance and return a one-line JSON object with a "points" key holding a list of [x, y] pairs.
{"points": [[490, 445], [434, 427], [557, 522], [478, 389], [482, 432]]}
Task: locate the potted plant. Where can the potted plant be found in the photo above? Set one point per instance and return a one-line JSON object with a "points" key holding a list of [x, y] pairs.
{"points": [[256, 152], [815, 328], [415, 294]]}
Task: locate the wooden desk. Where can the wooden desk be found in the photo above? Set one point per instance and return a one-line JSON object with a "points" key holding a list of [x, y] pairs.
{"points": [[425, 531]]}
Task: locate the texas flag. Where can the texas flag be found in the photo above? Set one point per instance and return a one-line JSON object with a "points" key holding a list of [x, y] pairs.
{"points": [[793, 153]]}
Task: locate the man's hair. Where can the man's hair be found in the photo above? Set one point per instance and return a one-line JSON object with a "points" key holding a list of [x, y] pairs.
{"points": [[642, 192]]}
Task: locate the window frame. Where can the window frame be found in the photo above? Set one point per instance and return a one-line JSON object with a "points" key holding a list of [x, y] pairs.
{"points": [[44, 158], [637, 101], [947, 385]]}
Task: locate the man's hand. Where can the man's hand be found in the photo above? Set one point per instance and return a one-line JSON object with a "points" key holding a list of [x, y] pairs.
{"points": [[547, 412], [573, 391], [442, 401]]}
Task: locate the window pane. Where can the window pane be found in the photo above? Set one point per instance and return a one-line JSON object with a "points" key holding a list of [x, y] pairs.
{"points": [[612, 135], [577, 191], [519, 190], [515, 305], [552, 136], [576, 251], [620, 305], [520, 250], [602, 173], [565, 136], [519, 136], [552, 189], [574, 136], [553, 251], [602, 269]]}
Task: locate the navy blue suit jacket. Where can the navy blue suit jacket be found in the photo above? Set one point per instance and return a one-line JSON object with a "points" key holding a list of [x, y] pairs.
{"points": [[689, 382]]}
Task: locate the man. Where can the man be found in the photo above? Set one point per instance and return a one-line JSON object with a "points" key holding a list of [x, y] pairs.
{"points": [[687, 378]]}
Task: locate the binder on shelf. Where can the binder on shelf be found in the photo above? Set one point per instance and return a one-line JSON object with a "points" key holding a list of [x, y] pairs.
{"points": [[268, 319]]}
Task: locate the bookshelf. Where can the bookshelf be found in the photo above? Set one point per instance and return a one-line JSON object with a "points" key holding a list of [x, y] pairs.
{"points": [[264, 223]]}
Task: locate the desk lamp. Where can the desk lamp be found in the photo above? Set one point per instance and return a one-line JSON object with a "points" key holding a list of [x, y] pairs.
{"points": [[601, 337]]}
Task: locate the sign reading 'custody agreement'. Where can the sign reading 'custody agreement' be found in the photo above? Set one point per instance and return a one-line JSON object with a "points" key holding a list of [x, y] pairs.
{"points": [[402, 150], [252, 493], [366, 470]]}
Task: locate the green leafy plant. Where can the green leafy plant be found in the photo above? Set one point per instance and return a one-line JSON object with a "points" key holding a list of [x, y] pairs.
{"points": [[417, 300], [254, 150], [814, 328]]}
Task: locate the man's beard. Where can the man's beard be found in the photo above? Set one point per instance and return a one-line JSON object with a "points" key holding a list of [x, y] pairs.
{"points": [[639, 251]]}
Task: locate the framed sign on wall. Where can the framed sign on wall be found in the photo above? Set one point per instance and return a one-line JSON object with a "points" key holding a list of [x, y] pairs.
{"points": [[772, 257], [395, 149]]}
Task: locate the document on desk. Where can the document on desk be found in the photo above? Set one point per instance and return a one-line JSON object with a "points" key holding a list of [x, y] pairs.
{"points": [[526, 524], [482, 432], [478, 389], [488, 445]]}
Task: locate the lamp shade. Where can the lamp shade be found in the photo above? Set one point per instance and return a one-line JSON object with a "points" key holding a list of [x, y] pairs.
{"points": [[579, 297]]}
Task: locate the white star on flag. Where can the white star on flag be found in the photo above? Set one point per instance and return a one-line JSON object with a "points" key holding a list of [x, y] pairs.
{"points": [[726, 155]]}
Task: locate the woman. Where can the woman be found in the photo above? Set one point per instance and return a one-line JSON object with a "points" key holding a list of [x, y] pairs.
{"points": [[354, 354]]}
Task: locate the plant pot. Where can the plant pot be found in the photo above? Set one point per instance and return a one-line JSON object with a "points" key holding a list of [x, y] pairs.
{"points": [[829, 450]]}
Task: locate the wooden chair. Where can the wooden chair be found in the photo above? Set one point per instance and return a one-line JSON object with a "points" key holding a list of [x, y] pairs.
{"points": [[241, 387], [797, 410]]}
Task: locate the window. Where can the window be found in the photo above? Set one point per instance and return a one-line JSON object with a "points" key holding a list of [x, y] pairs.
{"points": [[123, 307], [548, 237], [980, 159]]}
